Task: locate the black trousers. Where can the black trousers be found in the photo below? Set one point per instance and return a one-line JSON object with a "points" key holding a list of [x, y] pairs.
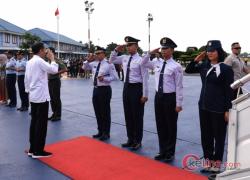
{"points": [[166, 122], [55, 97], [23, 95], [101, 102], [11, 88], [134, 111], [213, 133], [38, 126]]}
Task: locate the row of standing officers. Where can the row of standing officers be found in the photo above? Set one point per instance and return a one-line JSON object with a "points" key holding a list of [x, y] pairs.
{"points": [[168, 97], [214, 104]]}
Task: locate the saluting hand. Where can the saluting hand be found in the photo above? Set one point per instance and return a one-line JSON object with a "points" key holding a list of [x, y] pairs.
{"points": [[144, 99], [155, 51], [50, 56], [90, 57], [120, 48], [201, 56], [178, 109]]}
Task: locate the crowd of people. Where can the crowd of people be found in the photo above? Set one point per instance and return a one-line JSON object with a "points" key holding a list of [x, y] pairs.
{"points": [[39, 83]]}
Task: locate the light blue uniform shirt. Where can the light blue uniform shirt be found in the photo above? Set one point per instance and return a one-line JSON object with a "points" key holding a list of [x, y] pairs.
{"points": [[107, 70], [22, 65], [172, 77], [137, 73], [11, 63]]}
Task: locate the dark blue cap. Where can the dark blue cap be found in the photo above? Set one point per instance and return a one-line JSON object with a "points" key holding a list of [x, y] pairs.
{"points": [[213, 45], [131, 40], [9, 52], [99, 49], [167, 43], [20, 52]]}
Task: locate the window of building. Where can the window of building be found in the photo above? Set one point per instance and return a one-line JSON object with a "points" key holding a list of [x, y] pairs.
{"points": [[7, 38], [14, 39]]}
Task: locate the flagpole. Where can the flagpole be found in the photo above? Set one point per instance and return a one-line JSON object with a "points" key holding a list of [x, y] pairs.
{"points": [[58, 37]]}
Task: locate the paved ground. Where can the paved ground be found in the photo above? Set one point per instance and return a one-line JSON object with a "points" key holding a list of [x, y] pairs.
{"points": [[78, 120]]}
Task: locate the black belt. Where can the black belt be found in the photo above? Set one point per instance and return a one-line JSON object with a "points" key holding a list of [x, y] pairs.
{"points": [[101, 87], [10, 75], [133, 84], [166, 94]]}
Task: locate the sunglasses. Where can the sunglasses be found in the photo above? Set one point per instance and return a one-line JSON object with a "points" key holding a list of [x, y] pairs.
{"points": [[237, 48]]}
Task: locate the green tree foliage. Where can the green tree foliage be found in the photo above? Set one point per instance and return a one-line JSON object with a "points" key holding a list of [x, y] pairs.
{"points": [[110, 47], [92, 47], [189, 55], [29, 40], [140, 51]]}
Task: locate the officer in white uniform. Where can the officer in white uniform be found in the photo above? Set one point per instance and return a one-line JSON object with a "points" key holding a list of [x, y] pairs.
{"points": [[168, 97], [20, 72], [11, 78], [103, 73], [135, 91]]}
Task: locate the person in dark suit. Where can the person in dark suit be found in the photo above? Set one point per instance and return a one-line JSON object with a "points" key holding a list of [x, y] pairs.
{"points": [[214, 103], [54, 82]]}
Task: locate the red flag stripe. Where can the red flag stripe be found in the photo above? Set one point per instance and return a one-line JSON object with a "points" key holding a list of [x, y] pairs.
{"points": [[57, 12]]}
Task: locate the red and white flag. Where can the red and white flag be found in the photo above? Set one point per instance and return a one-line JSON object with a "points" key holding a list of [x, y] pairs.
{"points": [[57, 12]]}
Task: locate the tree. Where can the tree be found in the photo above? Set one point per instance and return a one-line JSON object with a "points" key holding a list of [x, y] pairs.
{"points": [[110, 47], [29, 40], [92, 47], [140, 51]]}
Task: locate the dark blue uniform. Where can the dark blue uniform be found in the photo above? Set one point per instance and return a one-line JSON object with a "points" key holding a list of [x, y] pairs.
{"points": [[215, 99]]}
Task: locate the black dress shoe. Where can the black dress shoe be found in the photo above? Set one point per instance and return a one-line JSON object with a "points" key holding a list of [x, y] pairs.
{"points": [[135, 146], [18, 109], [168, 158], [23, 109], [56, 119], [205, 170], [159, 156], [12, 105], [51, 117], [104, 137], [98, 135], [127, 144]]}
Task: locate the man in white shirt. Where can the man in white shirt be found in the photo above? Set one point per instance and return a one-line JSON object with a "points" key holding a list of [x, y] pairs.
{"points": [[103, 74], [36, 84], [135, 90], [168, 97]]}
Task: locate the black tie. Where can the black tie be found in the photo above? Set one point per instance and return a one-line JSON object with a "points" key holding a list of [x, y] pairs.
{"points": [[128, 69], [96, 73], [160, 86]]}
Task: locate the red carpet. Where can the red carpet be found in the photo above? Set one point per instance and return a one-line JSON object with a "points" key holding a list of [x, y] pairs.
{"points": [[88, 159]]}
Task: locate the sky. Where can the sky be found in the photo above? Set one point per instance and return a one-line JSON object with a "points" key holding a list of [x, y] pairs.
{"points": [[187, 22]]}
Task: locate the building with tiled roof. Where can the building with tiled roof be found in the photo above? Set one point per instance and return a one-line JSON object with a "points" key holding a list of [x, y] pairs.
{"points": [[11, 39], [10, 36]]}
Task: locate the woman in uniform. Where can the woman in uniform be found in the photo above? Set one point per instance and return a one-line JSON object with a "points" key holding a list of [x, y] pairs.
{"points": [[214, 103]]}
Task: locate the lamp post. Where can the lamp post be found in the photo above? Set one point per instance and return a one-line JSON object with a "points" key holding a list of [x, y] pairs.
{"points": [[150, 18], [89, 9]]}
